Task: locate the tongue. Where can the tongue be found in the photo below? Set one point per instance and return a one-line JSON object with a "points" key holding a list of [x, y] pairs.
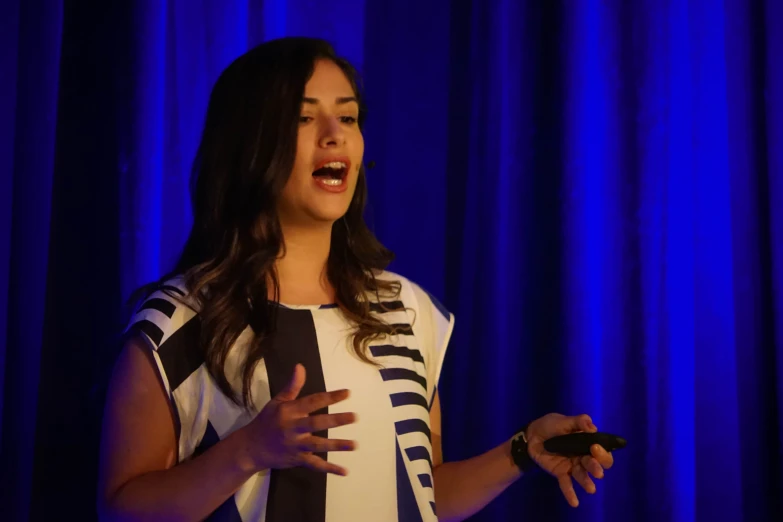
{"points": [[328, 173]]}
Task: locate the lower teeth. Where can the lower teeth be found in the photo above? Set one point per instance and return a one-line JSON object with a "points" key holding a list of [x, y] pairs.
{"points": [[332, 182]]}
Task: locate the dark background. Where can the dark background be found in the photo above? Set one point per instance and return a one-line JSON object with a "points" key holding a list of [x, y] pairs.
{"points": [[595, 189]]}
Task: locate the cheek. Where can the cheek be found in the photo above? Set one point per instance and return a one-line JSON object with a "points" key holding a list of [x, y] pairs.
{"points": [[303, 152], [296, 188], [360, 145], [300, 174], [358, 149], [288, 195], [302, 162]]}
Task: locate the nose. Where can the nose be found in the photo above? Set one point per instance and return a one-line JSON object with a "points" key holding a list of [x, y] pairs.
{"points": [[332, 134]]}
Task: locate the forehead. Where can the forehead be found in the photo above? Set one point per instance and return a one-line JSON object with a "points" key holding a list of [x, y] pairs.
{"points": [[328, 80]]}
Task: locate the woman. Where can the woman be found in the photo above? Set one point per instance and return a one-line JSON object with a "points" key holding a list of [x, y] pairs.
{"points": [[279, 373]]}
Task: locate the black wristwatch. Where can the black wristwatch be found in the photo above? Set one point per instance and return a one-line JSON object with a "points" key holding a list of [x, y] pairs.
{"points": [[519, 452]]}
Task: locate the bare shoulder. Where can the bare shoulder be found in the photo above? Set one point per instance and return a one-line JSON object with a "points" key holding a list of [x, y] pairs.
{"points": [[135, 357], [136, 386], [138, 434]]}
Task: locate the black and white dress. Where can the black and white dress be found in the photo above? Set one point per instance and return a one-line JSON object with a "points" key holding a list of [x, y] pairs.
{"points": [[390, 474]]}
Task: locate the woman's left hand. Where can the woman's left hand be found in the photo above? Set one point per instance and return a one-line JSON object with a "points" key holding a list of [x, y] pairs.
{"points": [[564, 468]]}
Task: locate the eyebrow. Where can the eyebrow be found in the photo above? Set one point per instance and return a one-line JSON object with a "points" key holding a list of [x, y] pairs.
{"points": [[339, 101]]}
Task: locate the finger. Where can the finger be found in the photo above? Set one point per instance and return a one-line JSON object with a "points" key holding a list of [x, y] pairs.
{"points": [[604, 458], [579, 423], [321, 400], [584, 480], [294, 386], [323, 422], [591, 465], [584, 423], [567, 487], [318, 464], [322, 445]]}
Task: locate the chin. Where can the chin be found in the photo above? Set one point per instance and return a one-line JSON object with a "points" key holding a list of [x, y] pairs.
{"points": [[328, 215]]}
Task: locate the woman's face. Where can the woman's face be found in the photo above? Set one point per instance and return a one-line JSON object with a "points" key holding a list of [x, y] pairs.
{"points": [[329, 151]]}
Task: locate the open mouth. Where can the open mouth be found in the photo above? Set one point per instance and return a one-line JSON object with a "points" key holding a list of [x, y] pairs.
{"points": [[332, 173]]}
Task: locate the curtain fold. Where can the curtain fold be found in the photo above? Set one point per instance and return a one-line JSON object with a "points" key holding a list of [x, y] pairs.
{"points": [[33, 63]]}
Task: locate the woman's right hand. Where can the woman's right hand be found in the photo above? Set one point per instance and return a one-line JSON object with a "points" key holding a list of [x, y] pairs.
{"points": [[281, 435]]}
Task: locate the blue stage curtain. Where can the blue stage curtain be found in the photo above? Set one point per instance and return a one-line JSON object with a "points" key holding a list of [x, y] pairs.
{"points": [[594, 188]]}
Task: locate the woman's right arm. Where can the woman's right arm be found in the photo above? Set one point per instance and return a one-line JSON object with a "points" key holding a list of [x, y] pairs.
{"points": [[138, 478]]}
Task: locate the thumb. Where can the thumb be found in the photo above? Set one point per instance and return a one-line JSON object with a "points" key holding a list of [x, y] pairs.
{"points": [[582, 423], [294, 386]]}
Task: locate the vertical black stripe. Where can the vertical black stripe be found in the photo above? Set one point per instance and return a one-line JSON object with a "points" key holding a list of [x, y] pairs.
{"points": [[297, 493]]}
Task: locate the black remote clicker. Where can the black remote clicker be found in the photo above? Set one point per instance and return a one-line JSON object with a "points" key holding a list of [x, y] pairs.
{"points": [[579, 444]]}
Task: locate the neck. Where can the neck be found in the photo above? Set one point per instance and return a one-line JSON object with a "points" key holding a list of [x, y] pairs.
{"points": [[301, 271]]}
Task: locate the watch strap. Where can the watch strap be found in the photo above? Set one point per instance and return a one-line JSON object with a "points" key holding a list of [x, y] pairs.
{"points": [[519, 451]]}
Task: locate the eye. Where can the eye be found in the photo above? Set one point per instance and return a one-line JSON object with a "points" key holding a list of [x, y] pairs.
{"points": [[305, 119], [349, 119]]}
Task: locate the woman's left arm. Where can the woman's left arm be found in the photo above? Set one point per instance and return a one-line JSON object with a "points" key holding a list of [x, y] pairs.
{"points": [[464, 487]]}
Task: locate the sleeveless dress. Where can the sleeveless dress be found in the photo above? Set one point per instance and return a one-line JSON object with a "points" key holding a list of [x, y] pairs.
{"points": [[390, 473]]}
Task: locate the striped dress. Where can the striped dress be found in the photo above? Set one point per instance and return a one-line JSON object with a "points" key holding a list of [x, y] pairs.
{"points": [[390, 474]]}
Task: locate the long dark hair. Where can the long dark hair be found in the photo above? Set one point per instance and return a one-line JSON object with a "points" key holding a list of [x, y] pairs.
{"points": [[245, 157]]}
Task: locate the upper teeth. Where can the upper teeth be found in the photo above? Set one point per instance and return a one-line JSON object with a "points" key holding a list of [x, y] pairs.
{"points": [[334, 165]]}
